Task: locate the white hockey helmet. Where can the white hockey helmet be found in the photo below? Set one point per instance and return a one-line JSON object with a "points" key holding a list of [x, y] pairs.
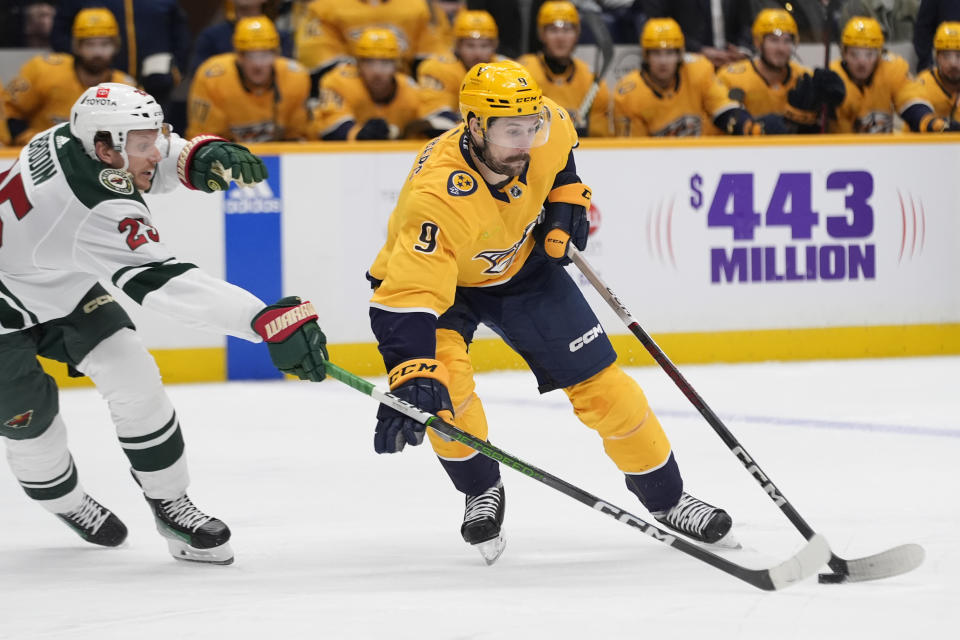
{"points": [[115, 108]]}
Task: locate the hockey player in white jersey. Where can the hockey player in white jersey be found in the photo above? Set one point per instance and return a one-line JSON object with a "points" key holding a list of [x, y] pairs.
{"points": [[72, 213]]}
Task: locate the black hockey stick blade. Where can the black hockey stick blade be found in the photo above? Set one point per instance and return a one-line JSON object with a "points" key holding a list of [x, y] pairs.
{"points": [[885, 564], [801, 565], [882, 565]]}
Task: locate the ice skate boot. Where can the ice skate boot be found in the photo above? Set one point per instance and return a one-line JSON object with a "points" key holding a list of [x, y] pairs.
{"points": [[95, 523], [482, 521], [698, 520], [191, 534]]}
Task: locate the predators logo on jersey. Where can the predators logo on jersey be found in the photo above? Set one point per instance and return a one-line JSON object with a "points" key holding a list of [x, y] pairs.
{"points": [[500, 260], [461, 183]]}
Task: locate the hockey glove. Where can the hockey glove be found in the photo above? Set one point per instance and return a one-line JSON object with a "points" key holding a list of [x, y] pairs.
{"points": [[936, 124], [423, 383], [829, 87], [297, 345], [208, 163], [374, 129], [802, 102]]}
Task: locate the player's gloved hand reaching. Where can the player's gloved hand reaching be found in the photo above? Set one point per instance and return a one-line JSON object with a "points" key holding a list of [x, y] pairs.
{"points": [[208, 163], [374, 129], [297, 345], [562, 223], [423, 383], [829, 87]]}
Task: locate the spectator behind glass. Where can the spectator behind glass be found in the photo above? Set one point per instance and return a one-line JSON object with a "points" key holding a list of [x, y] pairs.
{"points": [[26, 23], [153, 51], [929, 16], [696, 21], [218, 38]]}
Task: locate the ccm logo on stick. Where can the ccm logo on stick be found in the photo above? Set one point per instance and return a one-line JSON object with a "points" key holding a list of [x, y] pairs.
{"points": [[586, 338]]}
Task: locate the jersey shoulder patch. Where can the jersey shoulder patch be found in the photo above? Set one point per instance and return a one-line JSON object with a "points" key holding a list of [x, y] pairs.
{"points": [[461, 183], [91, 181]]}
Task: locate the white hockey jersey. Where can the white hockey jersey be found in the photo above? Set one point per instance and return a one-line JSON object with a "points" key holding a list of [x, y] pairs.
{"points": [[67, 221]]}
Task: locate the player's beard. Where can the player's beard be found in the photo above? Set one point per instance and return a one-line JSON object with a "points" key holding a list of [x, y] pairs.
{"points": [[771, 65], [512, 165], [95, 65]]}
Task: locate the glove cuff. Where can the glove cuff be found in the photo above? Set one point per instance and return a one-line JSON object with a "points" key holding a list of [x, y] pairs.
{"points": [[418, 368], [800, 116], [186, 157], [276, 324]]}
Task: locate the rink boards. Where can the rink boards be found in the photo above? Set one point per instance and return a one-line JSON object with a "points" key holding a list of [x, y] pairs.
{"points": [[723, 249]]}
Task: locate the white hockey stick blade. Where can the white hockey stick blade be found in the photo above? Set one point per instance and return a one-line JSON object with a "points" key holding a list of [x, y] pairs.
{"points": [[887, 564], [801, 566]]}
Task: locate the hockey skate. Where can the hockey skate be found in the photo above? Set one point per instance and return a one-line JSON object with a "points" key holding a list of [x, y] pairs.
{"points": [[95, 523], [698, 520], [191, 534], [482, 521]]}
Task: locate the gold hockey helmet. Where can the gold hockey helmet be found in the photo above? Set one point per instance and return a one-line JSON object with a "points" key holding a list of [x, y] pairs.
{"points": [[557, 12], [474, 24], [504, 89], [255, 34], [947, 37], [773, 22], [661, 33], [95, 23], [377, 44], [861, 31]]}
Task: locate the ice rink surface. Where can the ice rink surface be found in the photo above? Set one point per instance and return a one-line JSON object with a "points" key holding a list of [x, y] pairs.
{"points": [[333, 541]]}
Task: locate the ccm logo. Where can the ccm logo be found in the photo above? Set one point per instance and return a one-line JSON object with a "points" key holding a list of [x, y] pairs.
{"points": [[586, 338], [97, 302]]}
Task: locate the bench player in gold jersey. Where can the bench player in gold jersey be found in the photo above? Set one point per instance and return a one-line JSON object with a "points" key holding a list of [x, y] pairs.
{"points": [[253, 94], [772, 82], [46, 87], [475, 41], [677, 94], [878, 85], [370, 100], [562, 77], [4, 130], [467, 244], [940, 84], [329, 29]]}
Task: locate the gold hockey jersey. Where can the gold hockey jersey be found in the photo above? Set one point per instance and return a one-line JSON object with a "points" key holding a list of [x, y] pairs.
{"points": [[344, 97], [220, 104], [45, 90], [688, 109], [327, 31], [4, 131], [944, 103], [871, 109], [439, 78], [569, 89], [450, 228], [747, 86]]}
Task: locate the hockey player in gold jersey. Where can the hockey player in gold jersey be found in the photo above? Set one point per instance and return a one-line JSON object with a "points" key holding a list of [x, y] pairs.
{"points": [[4, 131], [677, 94], [940, 84], [475, 41], [562, 77], [370, 100], [328, 31], [878, 85], [466, 244], [253, 94], [45, 89], [761, 84]]}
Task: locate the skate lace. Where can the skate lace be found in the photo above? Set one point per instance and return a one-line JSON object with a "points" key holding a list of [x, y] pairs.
{"points": [[690, 514], [90, 515], [483, 506], [183, 512]]}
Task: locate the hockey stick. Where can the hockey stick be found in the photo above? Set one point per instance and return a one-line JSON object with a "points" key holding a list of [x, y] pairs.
{"points": [[591, 15], [888, 563], [798, 567]]}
